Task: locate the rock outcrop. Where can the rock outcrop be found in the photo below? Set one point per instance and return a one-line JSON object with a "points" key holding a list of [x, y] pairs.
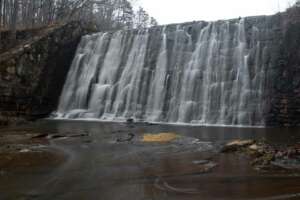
{"points": [[285, 74], [33, 74]]}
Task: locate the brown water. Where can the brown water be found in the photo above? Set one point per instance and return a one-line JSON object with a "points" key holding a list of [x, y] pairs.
{"points": [[96, 167]]}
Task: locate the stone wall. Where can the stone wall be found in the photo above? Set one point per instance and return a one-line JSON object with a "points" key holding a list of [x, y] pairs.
{"points": [[32, 75], [285, 77]]}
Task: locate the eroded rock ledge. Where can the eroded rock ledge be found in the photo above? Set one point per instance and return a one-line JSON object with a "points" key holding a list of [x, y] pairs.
{"points": [[32, 74]]}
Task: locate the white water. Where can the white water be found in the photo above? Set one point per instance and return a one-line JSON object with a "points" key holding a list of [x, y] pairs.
{"points": [[197, 74]]}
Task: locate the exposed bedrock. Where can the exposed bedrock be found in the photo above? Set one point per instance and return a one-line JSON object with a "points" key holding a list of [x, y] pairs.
{"points": [[33, 73]]}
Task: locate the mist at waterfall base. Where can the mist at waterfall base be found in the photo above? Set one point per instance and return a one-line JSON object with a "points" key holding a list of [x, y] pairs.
{"points": [[203, 73]]}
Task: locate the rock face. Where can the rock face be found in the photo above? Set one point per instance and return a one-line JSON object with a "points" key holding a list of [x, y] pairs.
{"points": [[33, 74], [21, 36], [284, 76]]}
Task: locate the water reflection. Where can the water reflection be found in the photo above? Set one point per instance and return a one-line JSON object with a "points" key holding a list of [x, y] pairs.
{"points": [[107, 170], [276, 135]]}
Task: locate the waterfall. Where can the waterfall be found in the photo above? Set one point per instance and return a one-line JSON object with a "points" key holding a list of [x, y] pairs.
{"points": [[197, 73], [158, 89]]}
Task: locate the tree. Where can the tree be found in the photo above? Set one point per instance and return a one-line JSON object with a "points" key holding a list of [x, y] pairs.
{"points": [[153, 22], [13, 21], [105, 14], [124, 15], [142, 18]]}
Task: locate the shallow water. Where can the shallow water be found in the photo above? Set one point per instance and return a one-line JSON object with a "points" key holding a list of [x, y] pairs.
{"points": [[98, 167]]}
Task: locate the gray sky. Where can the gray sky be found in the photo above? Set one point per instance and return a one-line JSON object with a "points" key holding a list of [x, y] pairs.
{"points": [[174, 11]]}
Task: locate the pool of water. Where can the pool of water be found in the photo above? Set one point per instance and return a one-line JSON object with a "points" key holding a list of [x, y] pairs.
{"points": [[97, 166]]}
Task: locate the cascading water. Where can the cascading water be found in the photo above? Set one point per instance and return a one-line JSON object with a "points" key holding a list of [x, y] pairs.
{"points": [[198, 73]]}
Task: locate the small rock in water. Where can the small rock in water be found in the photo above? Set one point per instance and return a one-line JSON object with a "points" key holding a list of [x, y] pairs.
{"points": [[237, 145], [150, 124], [256, 148], [204, 168], [200, 162], [128, 139], [24, 150], [289, 164], [38, 136], [56, 136], [130, 120], [80, 135]]}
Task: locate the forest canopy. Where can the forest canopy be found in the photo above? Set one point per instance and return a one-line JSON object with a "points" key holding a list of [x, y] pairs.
{"points": [[104, 14]]}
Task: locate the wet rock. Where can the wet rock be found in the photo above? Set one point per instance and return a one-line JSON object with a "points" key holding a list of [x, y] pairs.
{"points": [[265, 156], [288, 164], [207, 167], [130, 121], [200, 162], [150, 124], [39, 136], [27, 46], [236, 145], [256, 150], [195, 144], [79, 135], [32, 74], [25, 150], [263, 161], [56, 136], [269, 157], [129, 138], [254, 147]]}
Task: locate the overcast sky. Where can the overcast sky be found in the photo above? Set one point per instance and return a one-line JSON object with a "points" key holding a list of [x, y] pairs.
{"points": [[174, 11]]}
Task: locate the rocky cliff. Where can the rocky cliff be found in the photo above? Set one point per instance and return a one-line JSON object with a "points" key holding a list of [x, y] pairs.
{"points": [[284, 77], [33, 73]]}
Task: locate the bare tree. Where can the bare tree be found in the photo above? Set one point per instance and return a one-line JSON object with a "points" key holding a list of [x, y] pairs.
{"points": [[104, 14], [153, 22], [14, 18]]}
